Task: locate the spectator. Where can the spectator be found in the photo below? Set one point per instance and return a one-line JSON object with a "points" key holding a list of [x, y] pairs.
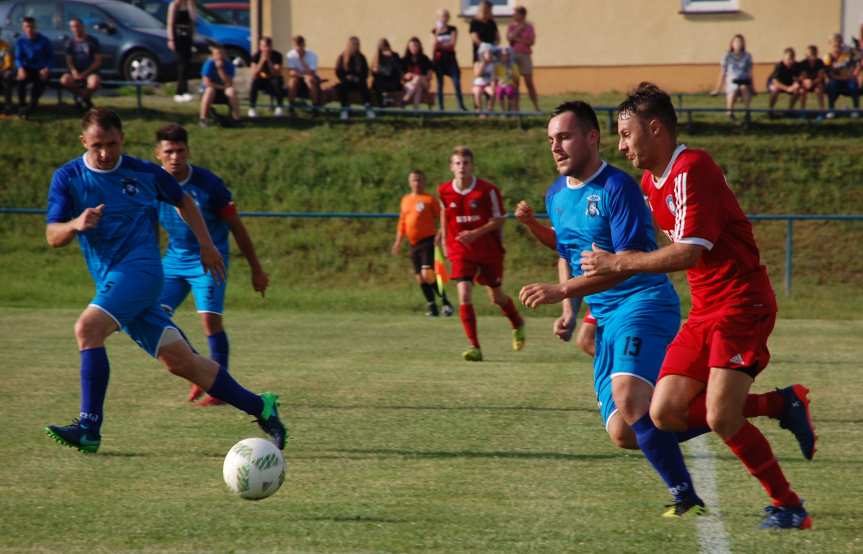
{"points": [[352, 69], [218, 81], [386, 73], [445, 37], [522, 36], [506, 81], [483, 28], [483, 82], [843, 69], [418, 73], [83, 61], [784, 80], [267, 76], [813, 76], [181, 33], [303, 80], [7, 75], [33, 54], [736, 73]]}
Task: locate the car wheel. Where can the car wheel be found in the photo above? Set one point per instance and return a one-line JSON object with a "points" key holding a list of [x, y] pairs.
{"points": [[140, 65]]}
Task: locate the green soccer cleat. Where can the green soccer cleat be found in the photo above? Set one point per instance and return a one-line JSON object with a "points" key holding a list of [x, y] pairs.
{"points": [[472, 354], [690, 506], [518, 338], [76, 435], [269, 420]]}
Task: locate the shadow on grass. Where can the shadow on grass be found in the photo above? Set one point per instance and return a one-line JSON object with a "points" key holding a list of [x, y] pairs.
{"points": [[440, 408], [354, 519], [117, 454], [473, 454]]}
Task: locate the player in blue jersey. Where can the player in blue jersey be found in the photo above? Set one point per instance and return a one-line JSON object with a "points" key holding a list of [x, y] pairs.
{"points": [[109, 201], [182, 261], [594, 203]]}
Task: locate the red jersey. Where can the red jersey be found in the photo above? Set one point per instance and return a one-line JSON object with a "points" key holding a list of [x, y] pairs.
{"points": [[469, 209], [693, 204]]}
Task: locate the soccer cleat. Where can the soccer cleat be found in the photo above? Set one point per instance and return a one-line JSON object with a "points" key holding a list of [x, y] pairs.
{"points": [[784, 517], [279, 111], [685, 507], [447, 310], [797, 418], [269, 420], [76, 436], [518, 338], [195, 393], [253, 113], [431, 310], [209, 401], [472, 354]]}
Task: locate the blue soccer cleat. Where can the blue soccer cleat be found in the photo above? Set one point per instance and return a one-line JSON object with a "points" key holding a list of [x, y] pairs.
{"points": [[797, 418], [783, 517], [269, 420], [76, 435]]}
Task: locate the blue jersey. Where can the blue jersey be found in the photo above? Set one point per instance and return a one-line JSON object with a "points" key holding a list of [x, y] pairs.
{"points": [[127, 234], [609, 210], [210, 70], [213, 199]]}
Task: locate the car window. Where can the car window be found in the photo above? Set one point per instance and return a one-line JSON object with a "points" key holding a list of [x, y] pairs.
{"points": [[134, 17], [242, 17], [89, 15], [45, 14], [156, 8], [210, 16]]}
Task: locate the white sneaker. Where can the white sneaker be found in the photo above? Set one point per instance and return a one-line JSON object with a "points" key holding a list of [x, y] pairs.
{"points": [[178, 98], [830, 115], [344, 115], [188, 97], [855, 115], [279, 111], [253, 112], [370, 113]]}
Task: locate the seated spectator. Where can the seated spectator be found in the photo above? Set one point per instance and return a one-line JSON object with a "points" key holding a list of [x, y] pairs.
{"points": [[33, 56], [7, 75], [736, 74], [521, 36], [843, 69], [83, 61], [445, 37], [813, 76], [386, 73], [483, 81], [784, 80], [267, 76], [506, 81], [303, 79], [417, 73], [483, 29], [217, 77], [352, 69]]}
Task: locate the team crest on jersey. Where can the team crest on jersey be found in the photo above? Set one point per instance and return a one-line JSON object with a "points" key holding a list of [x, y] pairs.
{"points": [[452, 205], [592, 205], [474, 204], [130, 186], [669, 201], [420, 207]]}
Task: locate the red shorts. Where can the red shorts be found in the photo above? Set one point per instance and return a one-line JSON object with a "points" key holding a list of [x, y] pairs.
{"points": [[737, 341], [588, 318], [488, 272]]}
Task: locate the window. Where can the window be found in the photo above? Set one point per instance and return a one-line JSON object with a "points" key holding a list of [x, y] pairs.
{"points": [[45, 14], [498, 8], [709, 6], [89, 15]]}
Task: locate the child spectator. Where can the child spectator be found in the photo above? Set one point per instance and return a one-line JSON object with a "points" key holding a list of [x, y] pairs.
{"points": [[483, 81], [522, 36], [352, 69], [83, 61], [303, 79], [418, 72], [386, 73], [506, 81], [813, 76], [483, 28], [843, 69], [784, 80], [217, 75], [33, 56], [7, 75], [445, 37], [736, 73], [267, 76]]}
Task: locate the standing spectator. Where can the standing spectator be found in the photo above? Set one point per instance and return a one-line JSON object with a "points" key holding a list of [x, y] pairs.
{"points": [[506, 82], [784, 80], [445, 37], [386, 73], [303, 79], [736, 73], [218, 80], [181, 34], [843, 69], [483, 80], [352, 69], [7, 75], [483, 28], [418, 73], [813, 76], [83, 61], [33, 55], [267, 76], [522, 36]]}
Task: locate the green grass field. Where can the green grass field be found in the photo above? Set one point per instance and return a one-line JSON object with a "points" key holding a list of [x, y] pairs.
{"points": [[396, 445]]}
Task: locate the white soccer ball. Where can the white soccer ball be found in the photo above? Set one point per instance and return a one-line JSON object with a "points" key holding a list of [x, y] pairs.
{"points": [[254, 468]]}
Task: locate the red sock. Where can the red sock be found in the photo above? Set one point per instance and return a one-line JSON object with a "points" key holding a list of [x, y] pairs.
{"points": [[768, 404], [512, 314], [698, 412], [468, 321], [750, 446]]}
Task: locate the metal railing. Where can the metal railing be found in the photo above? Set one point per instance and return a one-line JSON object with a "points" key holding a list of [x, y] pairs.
{"points": [[139, 85]]}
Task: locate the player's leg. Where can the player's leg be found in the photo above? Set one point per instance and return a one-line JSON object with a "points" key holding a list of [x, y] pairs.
{"points": [[507, 307], [206, 103], [209, 294], [620, 433], [423, 265], [464, 286], [585, 337], [93, 83]]}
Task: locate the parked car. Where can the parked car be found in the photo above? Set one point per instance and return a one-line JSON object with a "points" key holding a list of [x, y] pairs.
{"points": [[235, 12], [133, 43], [210, 26]]}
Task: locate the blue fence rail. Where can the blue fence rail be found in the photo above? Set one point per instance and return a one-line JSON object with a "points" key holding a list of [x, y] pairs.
{"points": [[789, 220]]}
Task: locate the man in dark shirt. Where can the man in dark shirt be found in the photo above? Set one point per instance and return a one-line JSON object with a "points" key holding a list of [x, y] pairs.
{"points": [[83, 61], [813, 75], [267, 76], [483, 28], [33, 55], [784, 80]]}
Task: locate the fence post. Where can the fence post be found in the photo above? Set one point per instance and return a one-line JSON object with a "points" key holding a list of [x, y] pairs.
{"points": [[138, 95], [789, 253]]}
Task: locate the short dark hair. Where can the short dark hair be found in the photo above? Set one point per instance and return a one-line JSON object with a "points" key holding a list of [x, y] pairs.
{"points": [[520, 10], [789, 50], [583, 113], [812, 49], [29, 20], [462, 151], [103, 118], [300, 40], [172, 132], [648, 101], [267, 40], [71, 19], [417, 172]]}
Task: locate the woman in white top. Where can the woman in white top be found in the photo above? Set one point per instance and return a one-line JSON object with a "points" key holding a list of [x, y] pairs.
{"points": [[736, 74]]}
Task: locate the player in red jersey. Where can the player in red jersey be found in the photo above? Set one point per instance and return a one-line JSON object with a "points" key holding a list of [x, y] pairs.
{"points": [[472, 218], [711, 364]]}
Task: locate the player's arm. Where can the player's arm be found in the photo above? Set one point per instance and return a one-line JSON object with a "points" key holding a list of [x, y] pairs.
{"points": [[565, 324], [498, 218], [678, 256], [97, 63], [400, 233], [536, 294], [62, 233], [211, 259], [545, 235], [260, 280]]}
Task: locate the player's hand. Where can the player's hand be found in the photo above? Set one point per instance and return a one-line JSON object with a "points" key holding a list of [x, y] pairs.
{"points": [[260, 281], [88, 219], [523, 212], [564, 327], [541, 293], [396, 247], [597, 262], [466, 237], [44, 73], [213, 263], [75, 74], [171, 46]]}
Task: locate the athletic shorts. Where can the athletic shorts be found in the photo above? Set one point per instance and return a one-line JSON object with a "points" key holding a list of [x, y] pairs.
{"points": [[588, 318], [209, 293], [422, 254], [488, 273], [524, 63], [131, 298], [632, 345], [737, 341]]}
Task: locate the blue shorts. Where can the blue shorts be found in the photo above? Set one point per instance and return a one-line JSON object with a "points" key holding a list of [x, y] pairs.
{"points": [[131, 298], [209, 294], [630, 344]]}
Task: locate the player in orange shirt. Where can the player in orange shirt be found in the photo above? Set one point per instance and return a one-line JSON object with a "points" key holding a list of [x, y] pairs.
{"points": [[418, 219]]}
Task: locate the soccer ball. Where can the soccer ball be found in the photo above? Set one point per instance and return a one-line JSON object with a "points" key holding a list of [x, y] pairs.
{"points": [[254, 468]]}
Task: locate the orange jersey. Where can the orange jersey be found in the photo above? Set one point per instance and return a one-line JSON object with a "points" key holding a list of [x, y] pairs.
{"points": [[419, 216]]}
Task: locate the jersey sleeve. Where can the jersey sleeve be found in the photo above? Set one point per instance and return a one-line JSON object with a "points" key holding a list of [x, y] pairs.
{"points": [[627, 215], [496, 201], [167, 188], [698, 216], [60, 203], [221, 200]]}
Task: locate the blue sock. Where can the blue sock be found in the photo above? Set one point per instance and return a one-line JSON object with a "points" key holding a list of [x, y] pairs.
{"points": [[219, 348], [226, 389], [94, 384], [691, 433], [663, 452]]}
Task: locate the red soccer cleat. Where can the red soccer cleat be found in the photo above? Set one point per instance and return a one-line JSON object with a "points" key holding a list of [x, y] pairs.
{"points": [[210, 401], [195, 393]]}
